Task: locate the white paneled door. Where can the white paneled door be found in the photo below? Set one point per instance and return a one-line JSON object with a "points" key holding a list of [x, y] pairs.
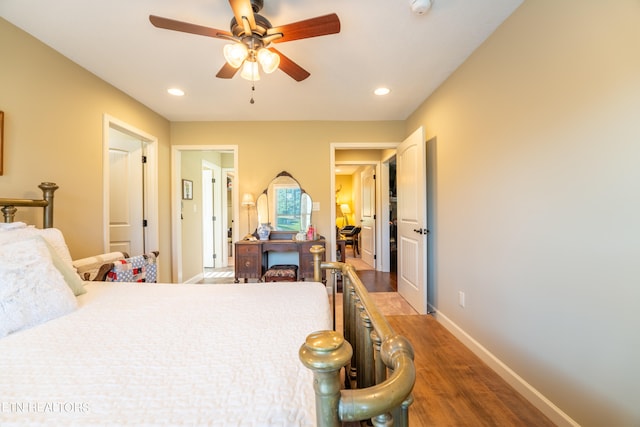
{"points": [[368, 216], [412, 220], [126, 232]]}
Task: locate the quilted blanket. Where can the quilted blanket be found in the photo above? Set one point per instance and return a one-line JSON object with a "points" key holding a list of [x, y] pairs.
{"points": [[164, 354]]}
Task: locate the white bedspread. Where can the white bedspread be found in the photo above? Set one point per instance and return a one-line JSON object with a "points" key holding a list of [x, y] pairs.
{"points": [[160, 354]]}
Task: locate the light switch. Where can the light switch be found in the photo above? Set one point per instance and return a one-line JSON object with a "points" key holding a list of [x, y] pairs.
{"points": [[316, 206]]}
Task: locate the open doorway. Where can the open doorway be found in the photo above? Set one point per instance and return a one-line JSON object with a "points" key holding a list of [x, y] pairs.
{"points": [[361, 180], [204, 220]]}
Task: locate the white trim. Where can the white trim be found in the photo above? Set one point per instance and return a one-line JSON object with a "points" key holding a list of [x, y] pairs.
{"points": [[195, 279], [176, 200], [151, 182], [536, 398]]}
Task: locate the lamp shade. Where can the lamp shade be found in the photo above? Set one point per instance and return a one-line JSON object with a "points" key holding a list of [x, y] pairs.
{"points": [[235, 54], [250, 71], [247, 200], [345, 209], [269, 60]]}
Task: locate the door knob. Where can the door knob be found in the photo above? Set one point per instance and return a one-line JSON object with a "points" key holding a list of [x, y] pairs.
{"points": [[421, 230]]}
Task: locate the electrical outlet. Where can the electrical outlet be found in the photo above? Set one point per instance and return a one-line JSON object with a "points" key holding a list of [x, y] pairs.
{"points": [[461, 299]]}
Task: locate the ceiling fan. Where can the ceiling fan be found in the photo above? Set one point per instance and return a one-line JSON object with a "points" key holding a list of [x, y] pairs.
{"points": [[252, 35]]}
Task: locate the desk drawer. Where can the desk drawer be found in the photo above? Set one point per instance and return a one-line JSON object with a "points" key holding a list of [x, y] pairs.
{"points": [[248, 250]]}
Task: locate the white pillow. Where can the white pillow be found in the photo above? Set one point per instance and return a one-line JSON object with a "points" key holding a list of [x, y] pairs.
{"points": [[32, 290], [53, 236]]}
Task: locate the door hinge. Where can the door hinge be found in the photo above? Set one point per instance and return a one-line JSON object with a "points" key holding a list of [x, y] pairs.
{"points": [[144, 222], [213, 218], [374, 176], [374, 216], [213, 180], [144, 159], [215, 256], [375, 257]]}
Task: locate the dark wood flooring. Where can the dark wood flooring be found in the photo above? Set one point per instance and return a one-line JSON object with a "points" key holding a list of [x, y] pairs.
{"points": [[454, 387], [377, 281]]}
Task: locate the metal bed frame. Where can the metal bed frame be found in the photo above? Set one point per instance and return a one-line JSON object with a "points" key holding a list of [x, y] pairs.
{"points": [[9, 208]]}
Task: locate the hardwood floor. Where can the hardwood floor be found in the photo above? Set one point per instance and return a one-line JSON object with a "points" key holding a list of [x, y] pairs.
{"points": [[454, 387]]}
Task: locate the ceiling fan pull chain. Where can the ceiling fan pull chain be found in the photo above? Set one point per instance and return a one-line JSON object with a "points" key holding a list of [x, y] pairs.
{"points": [[253, 89]]}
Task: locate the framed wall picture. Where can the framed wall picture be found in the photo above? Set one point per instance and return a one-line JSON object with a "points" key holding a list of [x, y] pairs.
{"points": [[1, 140], [187, 189]]}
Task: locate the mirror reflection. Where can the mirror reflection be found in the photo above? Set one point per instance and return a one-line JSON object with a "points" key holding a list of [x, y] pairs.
{"points": [[284, 205]]}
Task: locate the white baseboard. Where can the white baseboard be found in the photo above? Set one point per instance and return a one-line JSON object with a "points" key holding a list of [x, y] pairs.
{"points": [[536, 398], [195, 279]]}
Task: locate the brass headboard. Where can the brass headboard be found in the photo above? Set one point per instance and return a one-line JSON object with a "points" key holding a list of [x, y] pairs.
{"points": [[48, 188]]}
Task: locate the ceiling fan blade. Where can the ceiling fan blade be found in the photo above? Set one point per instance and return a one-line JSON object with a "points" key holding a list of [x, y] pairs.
{"points": [[291, 68], [227, 71], [243, 9], [314, 27], [185, 27]]}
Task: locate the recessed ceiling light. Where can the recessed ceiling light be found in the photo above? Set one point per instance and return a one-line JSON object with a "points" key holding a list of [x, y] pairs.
{"points": [[175, 91], [382, 91]]}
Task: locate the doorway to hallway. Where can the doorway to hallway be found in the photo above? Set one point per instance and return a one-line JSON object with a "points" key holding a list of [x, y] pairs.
{"points": [[205, 221]]}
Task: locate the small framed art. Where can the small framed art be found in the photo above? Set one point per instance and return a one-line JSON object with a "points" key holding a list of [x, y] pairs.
{"points": [[187, 189]]}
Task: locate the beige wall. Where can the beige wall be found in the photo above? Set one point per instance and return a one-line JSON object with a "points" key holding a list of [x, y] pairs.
{"points": [[301, 148], [537, 202], [53, 132], [343, 182]]}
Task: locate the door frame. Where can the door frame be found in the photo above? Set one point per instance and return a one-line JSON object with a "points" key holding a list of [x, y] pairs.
{"points": [[215, 199], [176, 199], [379, 190], [150, 196]]}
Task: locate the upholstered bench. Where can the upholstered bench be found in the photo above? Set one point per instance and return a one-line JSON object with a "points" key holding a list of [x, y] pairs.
{"points": [[281, 273]]}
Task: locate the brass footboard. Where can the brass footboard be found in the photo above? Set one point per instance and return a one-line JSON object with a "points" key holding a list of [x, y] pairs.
{"points": [[379, 370], [48, 188]]}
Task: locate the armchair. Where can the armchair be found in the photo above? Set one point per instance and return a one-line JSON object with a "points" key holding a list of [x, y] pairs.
{"points": [[350, 234]]}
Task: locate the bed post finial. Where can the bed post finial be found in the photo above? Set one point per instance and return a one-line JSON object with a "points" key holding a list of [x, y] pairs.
{"points": [[325, 353], [317, 251], [48, 188], [9, 212]]}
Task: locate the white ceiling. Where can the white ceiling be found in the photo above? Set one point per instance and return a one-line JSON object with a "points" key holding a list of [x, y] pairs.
{"points": [[381, 43]]}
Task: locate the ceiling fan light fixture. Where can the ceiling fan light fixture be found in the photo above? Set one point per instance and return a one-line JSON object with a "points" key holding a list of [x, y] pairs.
{"points": [[268, 60], [235, 54], [250, 71]]}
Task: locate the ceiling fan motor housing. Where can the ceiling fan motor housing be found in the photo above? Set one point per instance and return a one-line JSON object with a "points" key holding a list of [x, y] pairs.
{"points": [[262, 25]]}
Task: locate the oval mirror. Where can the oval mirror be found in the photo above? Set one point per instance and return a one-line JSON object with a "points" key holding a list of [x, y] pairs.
{"points": [[287, 205], [262, 206]]}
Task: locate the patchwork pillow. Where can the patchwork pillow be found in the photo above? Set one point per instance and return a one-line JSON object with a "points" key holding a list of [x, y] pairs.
{"points": [[141, 268], [32, 290]]}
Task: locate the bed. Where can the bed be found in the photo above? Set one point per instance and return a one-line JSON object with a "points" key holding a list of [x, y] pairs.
{"points": [[179, 354]]}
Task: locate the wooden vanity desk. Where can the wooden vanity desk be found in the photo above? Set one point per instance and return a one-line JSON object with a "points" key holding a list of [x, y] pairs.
{"points": [[252, 257]]}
